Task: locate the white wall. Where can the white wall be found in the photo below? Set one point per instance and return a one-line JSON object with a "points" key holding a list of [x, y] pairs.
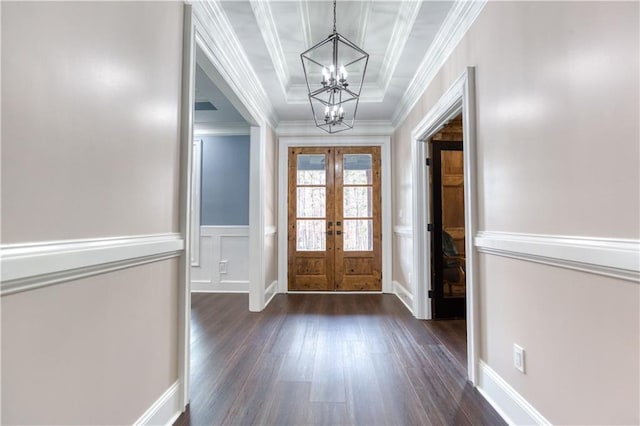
{"points": [[558, 154], [90, 149]]}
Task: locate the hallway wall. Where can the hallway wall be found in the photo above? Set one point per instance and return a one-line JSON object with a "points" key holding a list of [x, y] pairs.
{"points": [[557, 155], [90, 151]]}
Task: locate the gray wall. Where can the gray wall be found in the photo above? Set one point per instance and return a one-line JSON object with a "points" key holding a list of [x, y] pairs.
{"points": [[87, 153], [225, 180]]}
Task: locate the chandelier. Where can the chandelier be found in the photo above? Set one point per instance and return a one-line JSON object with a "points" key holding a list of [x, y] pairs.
{"points": [[334, 71]]}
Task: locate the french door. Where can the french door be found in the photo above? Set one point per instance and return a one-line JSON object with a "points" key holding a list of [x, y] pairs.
{"points": [[334, 219]]}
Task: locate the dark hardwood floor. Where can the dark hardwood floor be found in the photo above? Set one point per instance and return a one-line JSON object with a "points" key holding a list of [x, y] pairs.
{"points": [[327, 359]]}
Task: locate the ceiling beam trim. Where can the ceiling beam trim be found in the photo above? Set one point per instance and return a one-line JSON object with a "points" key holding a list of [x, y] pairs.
{"points": [[230, 59], [303, 11], [453, 29], [268, 29], [407, 14], [365, 9]]}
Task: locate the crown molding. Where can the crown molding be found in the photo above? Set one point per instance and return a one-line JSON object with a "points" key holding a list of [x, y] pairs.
{"points": [[407, 14], [308, 128], [453, 29], [228, 56], [266, 24]]}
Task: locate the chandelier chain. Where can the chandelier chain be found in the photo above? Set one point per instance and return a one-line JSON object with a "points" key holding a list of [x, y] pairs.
{"points": [[334, 16]]}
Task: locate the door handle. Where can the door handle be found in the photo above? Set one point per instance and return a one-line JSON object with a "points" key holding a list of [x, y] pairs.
{"points": [[338, 232]]}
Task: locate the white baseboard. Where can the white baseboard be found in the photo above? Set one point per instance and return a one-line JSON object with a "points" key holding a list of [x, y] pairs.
{"points": [[270, 292], [617, 258], [513, 408], [404, 295], [198, 286], [165, 410]]}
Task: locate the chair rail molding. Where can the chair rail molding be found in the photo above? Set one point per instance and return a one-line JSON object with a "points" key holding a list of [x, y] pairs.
{"points": [[34, 265], [617, 258]]}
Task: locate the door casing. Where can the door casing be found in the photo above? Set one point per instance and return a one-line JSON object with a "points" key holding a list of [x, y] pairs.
{"points": [[384, 142], [459, 98]]}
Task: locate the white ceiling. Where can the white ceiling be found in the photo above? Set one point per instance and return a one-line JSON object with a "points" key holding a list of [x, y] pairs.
{"points": [[272, 34]]}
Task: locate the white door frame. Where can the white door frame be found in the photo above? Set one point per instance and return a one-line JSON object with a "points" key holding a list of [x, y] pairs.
{"points": [[459, 98], [197, 38], [384, 142]]}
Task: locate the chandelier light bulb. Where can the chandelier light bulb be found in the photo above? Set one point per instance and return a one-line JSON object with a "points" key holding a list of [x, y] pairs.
{"points": [[343, 73]]}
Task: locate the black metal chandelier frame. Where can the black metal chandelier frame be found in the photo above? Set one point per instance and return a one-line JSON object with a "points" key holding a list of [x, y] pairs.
{"points": [[334, 92]]}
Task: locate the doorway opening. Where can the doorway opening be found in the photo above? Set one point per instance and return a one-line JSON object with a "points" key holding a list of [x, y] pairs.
{"points": [[446, 181], [458, 100], [334, 219]]}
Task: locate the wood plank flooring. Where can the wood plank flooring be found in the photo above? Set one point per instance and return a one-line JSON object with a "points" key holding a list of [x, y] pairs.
{"points": [[325, 359]]}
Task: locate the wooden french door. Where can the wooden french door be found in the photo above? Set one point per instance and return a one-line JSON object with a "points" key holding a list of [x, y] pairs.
{"points": [[334, 219]]}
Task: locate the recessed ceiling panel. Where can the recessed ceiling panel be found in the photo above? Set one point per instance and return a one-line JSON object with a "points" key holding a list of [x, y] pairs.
{"points": [[396, 34]]}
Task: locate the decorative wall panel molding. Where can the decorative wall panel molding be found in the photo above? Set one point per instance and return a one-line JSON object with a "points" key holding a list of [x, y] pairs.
{"points": [[224, 260], [33, 265], [617, 258]]}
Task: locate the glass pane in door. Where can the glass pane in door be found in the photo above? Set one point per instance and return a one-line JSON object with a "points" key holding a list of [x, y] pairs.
{"points": [[311, 235], [357, 201], [312, 201], [311, 169], [357, 169], [358, 235]]}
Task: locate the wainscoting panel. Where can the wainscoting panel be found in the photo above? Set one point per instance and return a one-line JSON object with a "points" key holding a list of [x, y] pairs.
{"points": [[224, 260]]}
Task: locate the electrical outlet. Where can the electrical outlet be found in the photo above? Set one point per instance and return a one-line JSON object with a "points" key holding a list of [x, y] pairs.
{"points": [[518, 358], [222, 267]]}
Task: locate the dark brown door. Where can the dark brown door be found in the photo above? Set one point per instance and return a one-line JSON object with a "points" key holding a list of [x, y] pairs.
{"points": [[334, 219], [448, 234]]}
